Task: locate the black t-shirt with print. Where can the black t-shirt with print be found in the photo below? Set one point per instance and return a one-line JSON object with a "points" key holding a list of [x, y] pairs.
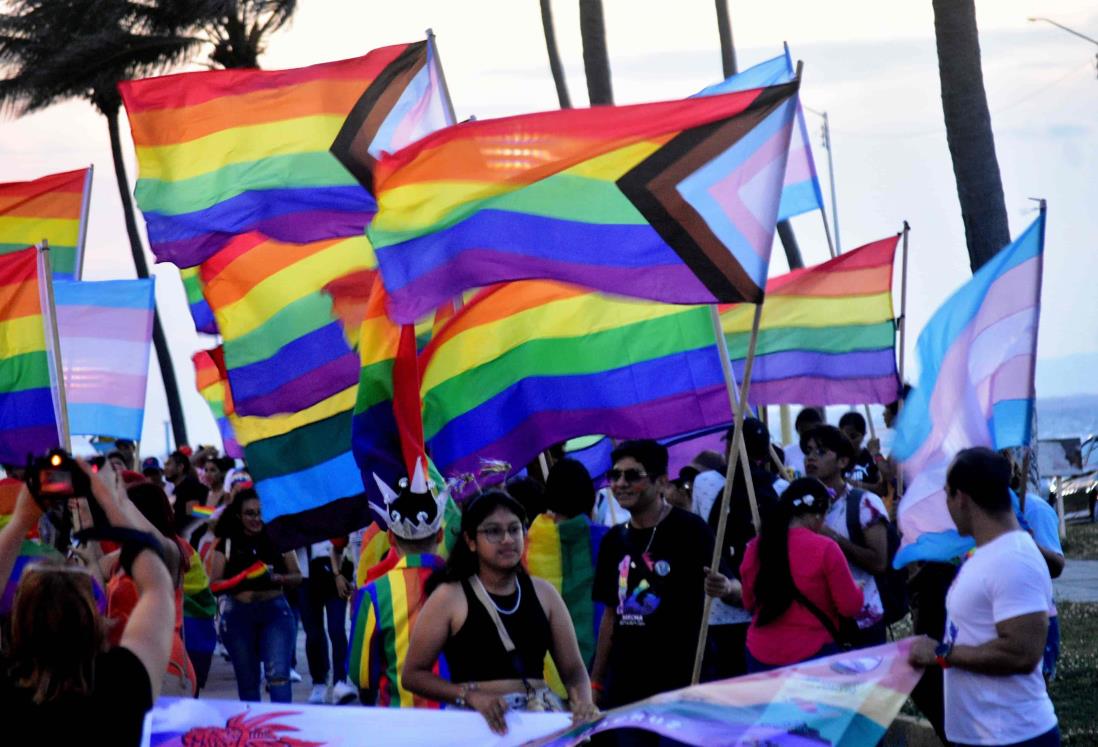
{"points": [[113, 714], [658, 615], [864, 469]]}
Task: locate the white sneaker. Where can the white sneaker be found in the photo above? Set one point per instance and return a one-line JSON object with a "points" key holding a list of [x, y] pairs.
{"points": [[319, 695], [343, 693], [294, 676]]}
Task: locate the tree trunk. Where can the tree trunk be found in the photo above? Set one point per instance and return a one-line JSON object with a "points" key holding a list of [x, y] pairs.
{"points": [[596, 58], [554, 55], [968, 130], [163, 354], [728, 48]]}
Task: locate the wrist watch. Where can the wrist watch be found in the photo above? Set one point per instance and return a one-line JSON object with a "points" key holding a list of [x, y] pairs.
{"points": [[461, 700], [941, 654]]}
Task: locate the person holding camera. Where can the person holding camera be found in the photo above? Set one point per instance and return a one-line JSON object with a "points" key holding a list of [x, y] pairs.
{"points": [[59, 678]]}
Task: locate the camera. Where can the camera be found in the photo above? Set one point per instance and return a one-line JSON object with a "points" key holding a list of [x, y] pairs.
{"points": [[53, 480]]}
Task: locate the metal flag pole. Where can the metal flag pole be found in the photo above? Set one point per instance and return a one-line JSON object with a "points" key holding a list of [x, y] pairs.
{"points": [[831, 178], [82, 233], [738, 452], [432, 51], [49, 311]]}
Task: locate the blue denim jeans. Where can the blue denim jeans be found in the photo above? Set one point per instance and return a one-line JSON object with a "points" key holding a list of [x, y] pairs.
{"points": [[255, 632]]}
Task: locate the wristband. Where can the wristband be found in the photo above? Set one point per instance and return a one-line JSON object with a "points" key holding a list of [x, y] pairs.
{"points": [[133, 541], [941, 654], [597, 686]]}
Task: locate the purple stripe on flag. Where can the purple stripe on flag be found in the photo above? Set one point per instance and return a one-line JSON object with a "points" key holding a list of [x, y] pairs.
{"points": [[414, 300], [91, 387], [811, 390], [304, 391], [17, 443], [861, 364], [104, 324], [653, 419]]}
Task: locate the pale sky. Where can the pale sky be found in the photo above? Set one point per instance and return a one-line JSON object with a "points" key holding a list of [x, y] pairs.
{"points": [[871, 65]]}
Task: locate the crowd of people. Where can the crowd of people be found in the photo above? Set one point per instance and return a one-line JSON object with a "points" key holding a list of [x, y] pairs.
{"points": [[452, 617]]}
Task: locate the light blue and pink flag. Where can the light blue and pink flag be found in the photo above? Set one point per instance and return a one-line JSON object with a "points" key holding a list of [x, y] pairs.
{"points": [[801, 188], [844, 700], [976, 388], [106, 331]]}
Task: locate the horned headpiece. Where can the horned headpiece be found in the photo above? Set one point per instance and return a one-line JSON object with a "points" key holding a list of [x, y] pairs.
{"points": [[416, 511]]}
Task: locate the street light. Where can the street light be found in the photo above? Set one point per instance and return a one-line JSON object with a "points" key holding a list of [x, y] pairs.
{"points": [[1073, 32]]}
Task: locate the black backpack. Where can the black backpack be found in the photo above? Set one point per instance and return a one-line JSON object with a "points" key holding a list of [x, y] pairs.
{"points": [[892, 584]]}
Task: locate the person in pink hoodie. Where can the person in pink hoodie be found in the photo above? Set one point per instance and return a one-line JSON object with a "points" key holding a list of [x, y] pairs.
{"points": [[796, 582]]}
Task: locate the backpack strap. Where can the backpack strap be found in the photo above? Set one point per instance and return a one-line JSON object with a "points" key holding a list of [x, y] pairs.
{"points": [[819, 614], [853, 516]]}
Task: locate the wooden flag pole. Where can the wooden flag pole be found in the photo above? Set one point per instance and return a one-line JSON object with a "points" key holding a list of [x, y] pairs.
{"points": [[49, 310], [739, 450], [902, 326]]}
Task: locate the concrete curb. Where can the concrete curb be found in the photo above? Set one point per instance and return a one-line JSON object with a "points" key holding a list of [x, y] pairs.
{"points": [[910, 731]]}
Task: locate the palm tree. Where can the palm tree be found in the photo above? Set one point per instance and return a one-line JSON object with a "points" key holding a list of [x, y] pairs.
{"points": [[238, 29], [596, 60], [54, 50], [555, 65], [968, 130]]}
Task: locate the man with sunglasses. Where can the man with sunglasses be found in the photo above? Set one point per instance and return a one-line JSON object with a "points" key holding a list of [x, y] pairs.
{"points": [[650, 576]]}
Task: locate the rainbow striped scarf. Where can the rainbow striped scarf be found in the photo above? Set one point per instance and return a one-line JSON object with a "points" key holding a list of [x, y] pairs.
{"points": [[384, 614]]}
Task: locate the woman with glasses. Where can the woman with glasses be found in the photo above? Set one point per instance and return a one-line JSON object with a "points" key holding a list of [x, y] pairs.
{"points": [[796, 582], [257, 624], [494, 624]]}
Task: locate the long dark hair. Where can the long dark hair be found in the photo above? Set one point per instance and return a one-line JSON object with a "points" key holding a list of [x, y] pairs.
{"points": [[774, 585], [463, 562], [230, 525]]}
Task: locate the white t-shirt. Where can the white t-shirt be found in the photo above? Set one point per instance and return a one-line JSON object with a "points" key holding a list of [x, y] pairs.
{"points": [[1005, 578], [794, 458], [871, 510]]}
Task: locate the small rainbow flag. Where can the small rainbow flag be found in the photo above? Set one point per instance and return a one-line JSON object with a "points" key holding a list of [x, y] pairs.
{"points": [[223, 152], [204, 512], [54, 208], [28, 419], [201, 312], [674, 202], [211, 381], [258, 569]]}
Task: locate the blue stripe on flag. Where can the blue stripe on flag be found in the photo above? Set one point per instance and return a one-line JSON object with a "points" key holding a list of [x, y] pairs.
{"points": [[105, 420]]}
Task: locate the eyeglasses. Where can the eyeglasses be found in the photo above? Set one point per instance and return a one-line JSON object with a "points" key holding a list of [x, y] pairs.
{"points": [[495, 534], [629, 475]]}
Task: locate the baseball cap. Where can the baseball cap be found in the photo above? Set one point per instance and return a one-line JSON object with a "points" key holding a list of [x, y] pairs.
{"points": [[150, 463]]}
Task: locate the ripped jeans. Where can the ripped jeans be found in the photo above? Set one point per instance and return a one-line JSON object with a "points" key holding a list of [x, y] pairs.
{"points": [[255, 632]]}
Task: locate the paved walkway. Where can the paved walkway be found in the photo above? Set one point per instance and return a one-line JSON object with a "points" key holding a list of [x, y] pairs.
{"points": [[1078, 582]]}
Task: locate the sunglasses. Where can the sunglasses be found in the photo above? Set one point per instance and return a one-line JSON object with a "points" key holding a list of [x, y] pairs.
{"points": [[629, 475]]}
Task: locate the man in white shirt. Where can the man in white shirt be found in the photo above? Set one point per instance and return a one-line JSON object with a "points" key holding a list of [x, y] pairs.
{"points": [[997, 617]]}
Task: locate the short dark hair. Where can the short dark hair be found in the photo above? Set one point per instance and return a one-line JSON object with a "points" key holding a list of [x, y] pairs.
{"points": [[710, 460], [894, 407], [179, 458], [569, 490], [984, 475], [831, 438], [806, 417], [756, 437], [651, 454], [529, 492], [853, 420]]}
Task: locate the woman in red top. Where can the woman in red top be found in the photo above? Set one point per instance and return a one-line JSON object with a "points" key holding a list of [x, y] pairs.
{"points": [[788, 570]]}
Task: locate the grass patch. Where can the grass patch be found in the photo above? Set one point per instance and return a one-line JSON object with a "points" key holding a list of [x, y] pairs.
{"points": [[1073, 689], [1082, 541]]}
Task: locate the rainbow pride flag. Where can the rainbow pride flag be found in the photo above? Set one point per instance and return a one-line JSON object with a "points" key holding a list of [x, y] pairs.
{"points": [[827, 334], [54, 208], [845, 700], [801, 187], [212, 383], [200, 310], [106, 335], [224, 152], [382, 618], [673, 201], [30, 552], [529, 364], [258, 569], [285, 348], [564, 553], [28, 419], [304, 472]]}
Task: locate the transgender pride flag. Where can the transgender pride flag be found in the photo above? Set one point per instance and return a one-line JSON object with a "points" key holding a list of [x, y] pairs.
{"points": [[976, 388], [801, 188], [105, 329]]}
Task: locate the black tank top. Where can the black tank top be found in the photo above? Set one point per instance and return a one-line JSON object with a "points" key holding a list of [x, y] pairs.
{"points": [[476, 654]]}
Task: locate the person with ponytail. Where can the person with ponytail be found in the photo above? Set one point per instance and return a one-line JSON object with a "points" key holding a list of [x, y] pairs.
{"points": [[796, 582], [494, 625]]}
